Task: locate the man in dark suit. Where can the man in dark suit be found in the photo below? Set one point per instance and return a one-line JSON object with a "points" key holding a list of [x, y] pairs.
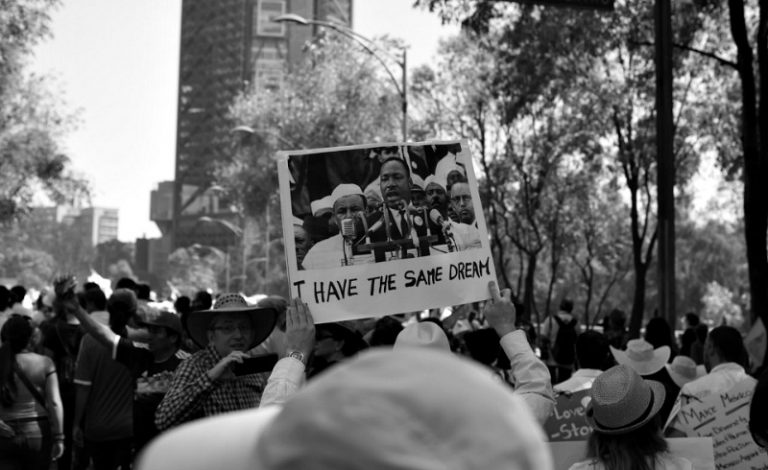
{"points": [[397, 222]]}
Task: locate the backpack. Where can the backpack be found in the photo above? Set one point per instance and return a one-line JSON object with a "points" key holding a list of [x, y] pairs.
{"points": [[564, 349]]}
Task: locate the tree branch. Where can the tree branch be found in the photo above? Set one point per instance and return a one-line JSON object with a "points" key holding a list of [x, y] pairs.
{"points": [[708, 54]]}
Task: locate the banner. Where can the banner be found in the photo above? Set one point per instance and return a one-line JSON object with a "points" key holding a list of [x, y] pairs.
{"points": [[725, 418], [568, 421], [380, 229]]}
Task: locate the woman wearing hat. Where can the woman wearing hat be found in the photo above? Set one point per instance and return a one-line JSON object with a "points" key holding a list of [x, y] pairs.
{"points": [[623, 413]]}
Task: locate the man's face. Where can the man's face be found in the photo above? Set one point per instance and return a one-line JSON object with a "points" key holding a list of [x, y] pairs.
{"points": [[374, 202], [461, 203], [418, 197], [301, 240], [230, 332], [160, 338], [347, 206], [395, 183], [455, 176], [437, 197]]}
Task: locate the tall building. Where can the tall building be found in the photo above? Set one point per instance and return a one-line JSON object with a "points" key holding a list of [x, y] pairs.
{"points": [[97, 224], [226, 46]]}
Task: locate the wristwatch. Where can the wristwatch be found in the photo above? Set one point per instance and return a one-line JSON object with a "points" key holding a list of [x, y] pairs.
{"points": [[298, 355]]}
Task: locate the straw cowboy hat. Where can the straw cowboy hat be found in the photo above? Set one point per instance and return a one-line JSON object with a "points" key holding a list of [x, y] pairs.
{"points": [[683, 370], [622, 401], [263, 319], [641, 356]]}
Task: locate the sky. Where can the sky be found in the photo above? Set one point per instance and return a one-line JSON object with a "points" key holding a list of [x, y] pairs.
{"points": [[116, 63]]}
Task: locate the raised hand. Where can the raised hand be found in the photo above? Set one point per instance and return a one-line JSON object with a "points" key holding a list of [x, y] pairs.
{"points": [[499, 310], [299, 328]]}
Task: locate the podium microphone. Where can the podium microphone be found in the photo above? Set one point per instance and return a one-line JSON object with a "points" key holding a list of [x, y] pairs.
{"points": [[436, 217]]}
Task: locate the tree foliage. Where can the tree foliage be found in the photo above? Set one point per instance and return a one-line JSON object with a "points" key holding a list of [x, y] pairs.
{"points": [[32, 161]]}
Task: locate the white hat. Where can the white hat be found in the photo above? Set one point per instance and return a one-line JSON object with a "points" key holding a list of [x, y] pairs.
{"points": [[446, 165], [320, 204], [417, 181], [683, 370], [423, 334], [383, 409], [345, 189], [374, 187], [298, 221], [641, 356], [432, 179]]}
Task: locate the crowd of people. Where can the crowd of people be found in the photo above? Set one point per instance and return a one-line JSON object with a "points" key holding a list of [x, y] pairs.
{"points": [[106, 382]]}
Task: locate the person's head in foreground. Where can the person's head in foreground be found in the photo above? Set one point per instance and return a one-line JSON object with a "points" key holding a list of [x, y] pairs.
{"points": [[724, 344], [231, 325], [623, 412], [414, 408]]}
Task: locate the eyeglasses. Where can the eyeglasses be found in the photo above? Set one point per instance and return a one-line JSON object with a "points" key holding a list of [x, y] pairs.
{"points": [[229, 329]]}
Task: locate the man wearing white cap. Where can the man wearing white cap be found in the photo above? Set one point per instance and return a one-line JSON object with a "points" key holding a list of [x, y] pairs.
{"points": [[348, 204]]}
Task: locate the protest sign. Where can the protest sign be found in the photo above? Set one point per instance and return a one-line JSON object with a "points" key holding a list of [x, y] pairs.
{"points": [[697, 450], [415, 239], [725, 418], [568, 421]]}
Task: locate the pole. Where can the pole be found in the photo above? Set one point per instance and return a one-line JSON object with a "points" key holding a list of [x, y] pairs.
{"points": [[665, 161], [226, 269], [405, 95]]}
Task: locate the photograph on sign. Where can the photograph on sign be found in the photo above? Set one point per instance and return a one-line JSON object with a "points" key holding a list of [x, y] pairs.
{"points": [[397, 224]]}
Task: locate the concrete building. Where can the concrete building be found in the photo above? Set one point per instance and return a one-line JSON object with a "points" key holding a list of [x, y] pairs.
{"points": [[226, 46]]}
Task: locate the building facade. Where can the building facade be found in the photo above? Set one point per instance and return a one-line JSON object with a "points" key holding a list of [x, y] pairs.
{"points": [[226, 47]]}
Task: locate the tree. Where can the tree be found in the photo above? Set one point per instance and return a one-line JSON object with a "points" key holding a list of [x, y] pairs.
{"points": [[337, 96], [31, 122], [194, 268], [544, 52]]}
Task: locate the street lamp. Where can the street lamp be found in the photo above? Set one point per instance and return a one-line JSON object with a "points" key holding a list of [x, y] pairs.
{"points": [[370, 47]]}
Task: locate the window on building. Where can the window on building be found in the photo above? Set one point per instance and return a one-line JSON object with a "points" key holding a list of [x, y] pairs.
{"points": [[268, 9]]}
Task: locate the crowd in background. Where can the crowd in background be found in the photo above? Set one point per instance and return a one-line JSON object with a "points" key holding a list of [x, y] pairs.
{"points": [[89, 381]]}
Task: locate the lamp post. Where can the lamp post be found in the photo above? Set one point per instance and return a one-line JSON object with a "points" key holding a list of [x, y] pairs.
{"points": [[371, 48]]}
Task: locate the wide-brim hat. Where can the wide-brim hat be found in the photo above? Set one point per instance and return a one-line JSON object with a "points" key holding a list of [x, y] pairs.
{"points": [[622, 401], [425, 334], [683, 370], [262, 318], [641, 356]]}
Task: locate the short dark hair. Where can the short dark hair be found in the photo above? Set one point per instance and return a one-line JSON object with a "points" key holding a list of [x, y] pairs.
{"points": [[592, 350], [566, 305], [728, 344], [399, 160], [202, 301], [95, 296], [182, 304], [692, 319], [142, 291], [126, 283], [17, 294]]}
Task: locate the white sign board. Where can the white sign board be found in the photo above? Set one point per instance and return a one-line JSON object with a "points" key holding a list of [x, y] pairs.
{"points": [[379, 229]]}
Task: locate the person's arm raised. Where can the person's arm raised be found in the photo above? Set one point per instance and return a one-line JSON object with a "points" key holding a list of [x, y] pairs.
{"points": [[100, 332], [532, 380], [288, 374]]}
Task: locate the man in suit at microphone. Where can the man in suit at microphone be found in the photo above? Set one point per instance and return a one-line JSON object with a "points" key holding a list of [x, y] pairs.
{"points": [[349, 206], [400, 220]]}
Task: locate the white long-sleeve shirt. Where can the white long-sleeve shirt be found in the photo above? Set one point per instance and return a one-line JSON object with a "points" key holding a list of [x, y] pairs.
{"points": [[531, 377]]}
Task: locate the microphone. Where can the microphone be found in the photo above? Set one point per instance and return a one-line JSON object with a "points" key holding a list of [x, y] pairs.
{"points": [[436, 217], [348, 230], [375, 226]]}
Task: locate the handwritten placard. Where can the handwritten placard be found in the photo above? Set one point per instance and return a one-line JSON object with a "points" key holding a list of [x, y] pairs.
{"points": [[568, 421], [725, 418], [386, 244]]}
